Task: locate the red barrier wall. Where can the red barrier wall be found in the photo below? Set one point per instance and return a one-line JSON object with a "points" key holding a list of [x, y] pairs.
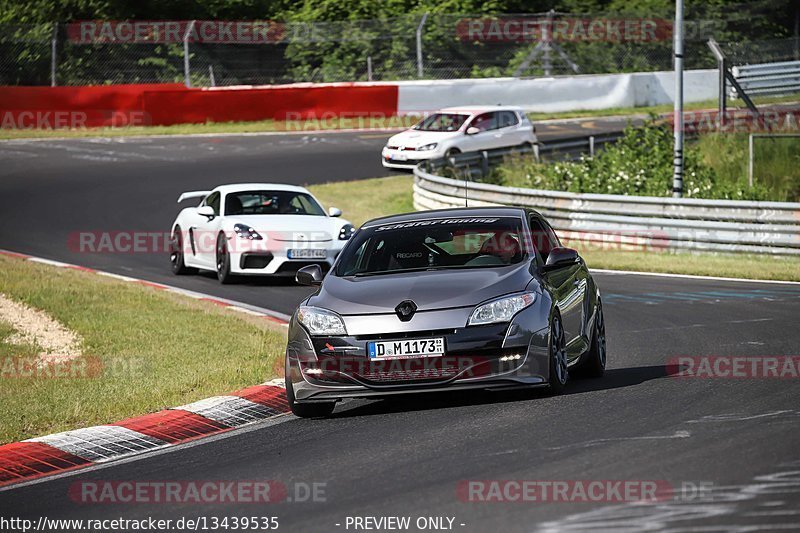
{"points": [[280, 102], [56, 107], [165, 104]]}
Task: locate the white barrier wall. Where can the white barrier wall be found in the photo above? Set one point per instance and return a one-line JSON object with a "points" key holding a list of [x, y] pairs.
{"points": [[567, 93]]}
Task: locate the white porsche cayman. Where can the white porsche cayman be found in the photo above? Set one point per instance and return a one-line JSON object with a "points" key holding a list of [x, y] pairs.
{"points": [[256, 229]]}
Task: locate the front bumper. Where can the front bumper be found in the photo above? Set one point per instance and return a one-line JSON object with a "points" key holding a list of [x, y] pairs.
{"points": [[263, 258], [486, 357], [392, 158]]}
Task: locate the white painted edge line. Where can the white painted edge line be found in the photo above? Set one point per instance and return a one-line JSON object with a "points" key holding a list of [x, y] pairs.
{"points": [[234, 305], [690, 276], [203, 135]]}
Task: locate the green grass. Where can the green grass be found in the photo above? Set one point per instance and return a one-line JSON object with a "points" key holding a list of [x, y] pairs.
{"points": [[365, 199], [261, 126], [776, 162], [150, 350]]}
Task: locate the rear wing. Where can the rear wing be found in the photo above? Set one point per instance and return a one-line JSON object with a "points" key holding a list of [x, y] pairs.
{"points": [[192, 194]]}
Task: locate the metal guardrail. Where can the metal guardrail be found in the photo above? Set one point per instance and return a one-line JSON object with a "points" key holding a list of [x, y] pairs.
{"points": [[767, 78], [477, 165], [629, 222]]}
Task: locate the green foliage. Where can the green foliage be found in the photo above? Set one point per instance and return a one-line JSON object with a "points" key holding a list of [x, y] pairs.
{"points": [[639, 164]]}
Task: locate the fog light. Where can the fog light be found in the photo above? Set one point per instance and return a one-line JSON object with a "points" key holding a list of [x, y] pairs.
{"points": [[313, 371], [514, 357]]}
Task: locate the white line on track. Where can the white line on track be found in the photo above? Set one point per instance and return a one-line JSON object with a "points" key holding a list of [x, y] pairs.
{"points": [[688, 276]]}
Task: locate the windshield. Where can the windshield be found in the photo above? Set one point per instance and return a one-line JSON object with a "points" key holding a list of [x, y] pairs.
{"points": [[433, 244], [442, 122], [271, 203]]}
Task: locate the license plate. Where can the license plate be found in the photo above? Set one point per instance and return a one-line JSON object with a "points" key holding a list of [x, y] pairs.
{"points": [[307, 253], [404, 349], [400, 157]]}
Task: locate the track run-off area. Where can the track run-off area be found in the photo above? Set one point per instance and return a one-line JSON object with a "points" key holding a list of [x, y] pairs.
{"points": [[728, 449]]}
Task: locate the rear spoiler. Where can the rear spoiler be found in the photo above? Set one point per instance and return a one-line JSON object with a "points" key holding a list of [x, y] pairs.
{"points": [[192, 194]]}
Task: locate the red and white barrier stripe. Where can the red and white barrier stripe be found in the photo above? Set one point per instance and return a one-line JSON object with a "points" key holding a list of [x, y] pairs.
{"points": [[69, 450]]}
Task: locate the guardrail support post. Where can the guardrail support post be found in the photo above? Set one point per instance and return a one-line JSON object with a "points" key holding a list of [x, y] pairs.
{"points": [[591, 146], [750, 161], [484, 163]]}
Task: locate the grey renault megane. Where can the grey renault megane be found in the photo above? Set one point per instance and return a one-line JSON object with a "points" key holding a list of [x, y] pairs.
{"points": [[444, 300]]}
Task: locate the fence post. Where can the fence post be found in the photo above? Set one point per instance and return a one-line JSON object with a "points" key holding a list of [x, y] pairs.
{"points": [[750, 161], [211, 76], [419, 44], [53, 52], [369, 68], [186, 70]]}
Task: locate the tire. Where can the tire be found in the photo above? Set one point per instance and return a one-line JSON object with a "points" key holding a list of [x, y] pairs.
{"points": [[595, 365], [307, 410], [223, 260], [179, 268], [557, 354], [451, 152]]}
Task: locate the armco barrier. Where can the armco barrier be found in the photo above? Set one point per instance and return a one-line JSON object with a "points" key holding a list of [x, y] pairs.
{"points": [[160, 105], [635, 221]]}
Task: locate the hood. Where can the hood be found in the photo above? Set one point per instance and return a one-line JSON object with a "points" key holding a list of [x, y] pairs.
{"points": [[416, 138], [430, 290], [291, 227]]}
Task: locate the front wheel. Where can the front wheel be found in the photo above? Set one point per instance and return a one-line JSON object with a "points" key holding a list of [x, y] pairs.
{"points": [[223, 260], [307, 410], [559, 372]]}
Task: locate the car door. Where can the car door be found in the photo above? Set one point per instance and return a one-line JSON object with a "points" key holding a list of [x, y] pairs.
{"points": [[568, 285], [487, 136], [204, 232], [508, 132]]}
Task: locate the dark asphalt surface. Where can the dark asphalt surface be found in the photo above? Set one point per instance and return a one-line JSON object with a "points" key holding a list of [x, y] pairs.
{"points": [[737, 438]]}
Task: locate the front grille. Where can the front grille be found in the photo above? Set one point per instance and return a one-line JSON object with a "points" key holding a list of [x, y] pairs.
{"points": [[406, 335], [421, 374]]}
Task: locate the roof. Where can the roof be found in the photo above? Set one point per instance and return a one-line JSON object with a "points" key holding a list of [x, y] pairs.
{"points": [[475, 109], [449, 213], [238, 187]]}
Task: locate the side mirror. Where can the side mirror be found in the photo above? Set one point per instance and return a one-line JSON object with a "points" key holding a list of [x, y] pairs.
{"points": [[309, 275], [206, 211], [334, 212], [561, 257], [472, 130]]}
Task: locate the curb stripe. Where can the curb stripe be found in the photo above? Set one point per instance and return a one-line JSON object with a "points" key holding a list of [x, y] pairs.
{"points": [[172, 425], [26, 460], [101, 443]]}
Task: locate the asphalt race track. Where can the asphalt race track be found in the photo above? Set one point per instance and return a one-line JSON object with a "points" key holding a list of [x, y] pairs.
{"points": [[728, 447]]}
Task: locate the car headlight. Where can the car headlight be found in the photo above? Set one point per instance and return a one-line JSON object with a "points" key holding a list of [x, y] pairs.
{"points": [[320, 321], [427, 147], [500, 310], [246, 232], [346, 232]]}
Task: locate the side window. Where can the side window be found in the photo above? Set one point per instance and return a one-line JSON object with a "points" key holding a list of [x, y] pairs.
{"points": [[485, 122], [508, 119], [543, 237], [213, 200]]}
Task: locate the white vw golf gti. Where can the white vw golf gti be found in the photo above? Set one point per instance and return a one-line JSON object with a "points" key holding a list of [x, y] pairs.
{"points": [[256, 229], [459, 129]]}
